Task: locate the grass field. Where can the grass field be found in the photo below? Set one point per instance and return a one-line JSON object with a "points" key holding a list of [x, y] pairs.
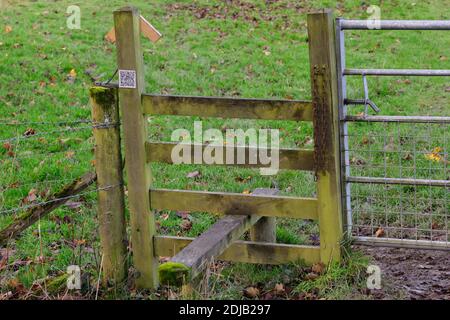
{"points": [[254, 49]]}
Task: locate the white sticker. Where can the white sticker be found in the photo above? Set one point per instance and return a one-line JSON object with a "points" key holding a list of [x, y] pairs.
{"points": [[127, 79]]}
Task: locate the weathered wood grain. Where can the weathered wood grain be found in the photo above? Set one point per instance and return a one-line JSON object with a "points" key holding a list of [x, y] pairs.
{"points": [[246, 251], [142, 221], [265, 229], [322, 55], [233, 203], [108, 166], [289, 159], [227, 107]]}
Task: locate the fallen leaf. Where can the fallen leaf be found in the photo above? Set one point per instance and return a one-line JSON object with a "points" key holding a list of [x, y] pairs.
{"points": [[70, 154], [186, 225], [183, 214], [29, 132], [251, 292], [73, 204], [318, 268], [31, 197], [279, 289], [8, 29], [193, 174], [408, 156], [379, 233], [311, 276], [246, 191]]}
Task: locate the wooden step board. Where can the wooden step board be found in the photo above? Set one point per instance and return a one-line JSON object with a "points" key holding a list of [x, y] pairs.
{"points": [[195, 257]]}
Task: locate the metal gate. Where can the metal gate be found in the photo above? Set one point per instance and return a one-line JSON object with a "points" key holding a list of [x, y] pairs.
{"points": [[395, 169]]}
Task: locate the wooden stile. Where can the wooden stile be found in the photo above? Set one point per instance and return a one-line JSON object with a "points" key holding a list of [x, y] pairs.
{"points": [[129, 57], [322, 55], [196, 256], [291, 159], [227, 107], [108, 166], [234, 203], [246, 251]]}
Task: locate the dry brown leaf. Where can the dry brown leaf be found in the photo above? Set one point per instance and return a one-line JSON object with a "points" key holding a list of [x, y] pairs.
{"points": [[311, 276], [279, 289], [379, 233], [8, 29], [318, 268], [251, 292], [186, 225]]}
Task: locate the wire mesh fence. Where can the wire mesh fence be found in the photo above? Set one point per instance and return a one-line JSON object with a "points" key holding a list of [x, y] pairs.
{"points": [[399, 174]]}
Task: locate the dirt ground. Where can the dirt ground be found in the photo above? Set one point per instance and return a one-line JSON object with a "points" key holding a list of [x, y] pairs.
{"points": [[411, 274]]}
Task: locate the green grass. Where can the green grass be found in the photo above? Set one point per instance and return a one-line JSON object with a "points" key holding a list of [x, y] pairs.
{"points": [[263, 53]]}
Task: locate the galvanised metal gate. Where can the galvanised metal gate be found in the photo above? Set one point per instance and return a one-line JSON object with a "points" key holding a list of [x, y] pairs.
{"points": [[395, 169]]}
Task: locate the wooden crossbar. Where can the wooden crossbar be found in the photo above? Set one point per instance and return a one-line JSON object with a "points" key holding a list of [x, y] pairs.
{"points": [[245, 251], [196, 256], [292, 159], [233, 203], [227, 107]]}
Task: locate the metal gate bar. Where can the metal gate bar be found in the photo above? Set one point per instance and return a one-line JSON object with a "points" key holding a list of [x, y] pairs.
{"points": [[396, 25], [404, 210], [397, 72]]}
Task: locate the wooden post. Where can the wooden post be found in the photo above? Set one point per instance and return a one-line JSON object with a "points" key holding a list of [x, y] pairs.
{"points": [[322, 55], [142, 220], [108, 165], [265, 230]]}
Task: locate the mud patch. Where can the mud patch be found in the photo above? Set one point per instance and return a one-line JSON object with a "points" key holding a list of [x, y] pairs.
{"points": [[414, 274]]}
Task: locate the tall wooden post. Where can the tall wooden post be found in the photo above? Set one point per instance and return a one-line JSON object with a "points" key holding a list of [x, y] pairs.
{"points": [[322, 55], [108, 166], [131, 87]]}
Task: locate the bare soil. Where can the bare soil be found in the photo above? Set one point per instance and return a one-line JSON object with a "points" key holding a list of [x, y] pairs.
{"points": [[411, 274]]}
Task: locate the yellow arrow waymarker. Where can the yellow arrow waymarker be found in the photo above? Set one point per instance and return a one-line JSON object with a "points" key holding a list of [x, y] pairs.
{"points": [[147, 29]]}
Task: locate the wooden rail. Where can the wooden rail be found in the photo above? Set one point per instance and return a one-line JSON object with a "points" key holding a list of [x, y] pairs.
{"points": [[227, 107], [233, 203], [292, 159], [245, 251]]}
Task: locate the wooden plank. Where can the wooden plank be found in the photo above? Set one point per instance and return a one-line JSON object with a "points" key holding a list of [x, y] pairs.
{"points": [[246, 251], [196, 256], [149, 31], [108, 165], [233, 203], [322, 55], [142, 221], [290, 159], [227, 107], [265, 229]]}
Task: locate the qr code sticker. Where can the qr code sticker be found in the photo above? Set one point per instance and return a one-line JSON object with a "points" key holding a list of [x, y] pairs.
{"points": [[127, 79]]}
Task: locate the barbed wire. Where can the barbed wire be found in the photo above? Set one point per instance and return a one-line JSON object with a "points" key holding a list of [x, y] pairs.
{"points": [[27, 123], [37, 135], [22, 156], [34, 205]]}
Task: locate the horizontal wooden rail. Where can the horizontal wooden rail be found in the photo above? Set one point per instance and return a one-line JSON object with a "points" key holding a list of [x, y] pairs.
{"points": [[227, 107], [245, 251], [233, 203], [292, 159]]}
